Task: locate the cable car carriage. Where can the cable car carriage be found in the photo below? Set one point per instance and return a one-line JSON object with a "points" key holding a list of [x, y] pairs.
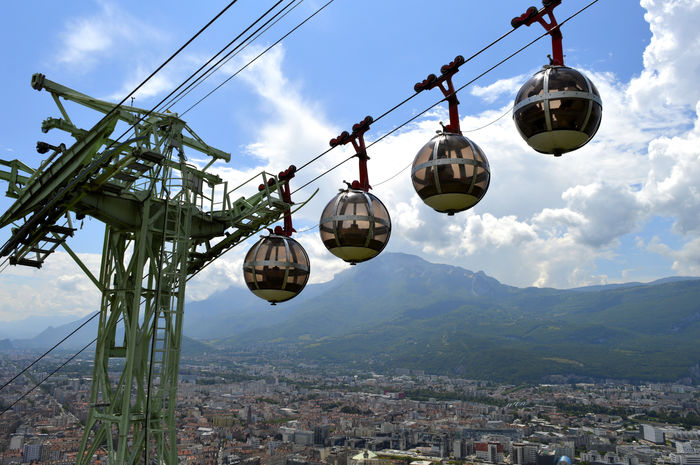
{"points": [[277, 267], [558, 109], [450, 173], [355, 225]]}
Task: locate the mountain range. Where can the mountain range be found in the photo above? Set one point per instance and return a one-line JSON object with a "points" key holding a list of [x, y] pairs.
{"points": [[399, 311]]}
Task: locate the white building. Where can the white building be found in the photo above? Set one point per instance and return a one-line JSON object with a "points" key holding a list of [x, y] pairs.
{"points": [[652, 434]]}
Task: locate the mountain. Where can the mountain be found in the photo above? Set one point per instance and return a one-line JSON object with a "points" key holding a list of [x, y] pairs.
{"points": [[31, 327], [367, 295], [83, 337], [401, 311]]}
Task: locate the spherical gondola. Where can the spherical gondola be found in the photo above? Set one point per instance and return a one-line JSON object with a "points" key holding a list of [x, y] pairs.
{"points": [[276, 268], [355, 226], [558, 110], [450, 173]]}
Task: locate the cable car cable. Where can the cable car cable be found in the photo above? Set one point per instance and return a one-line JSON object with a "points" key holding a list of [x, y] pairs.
{"points": [[249, 40], [157, 70], [392, 177], [231, 52], [48, 351], [60, 367], [436, 103], [489, 124], [47, 377], [258, 56], [148, 113], [407, 99]]}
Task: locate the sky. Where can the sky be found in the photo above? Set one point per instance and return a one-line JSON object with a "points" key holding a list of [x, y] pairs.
{"points": [[622, 208]]}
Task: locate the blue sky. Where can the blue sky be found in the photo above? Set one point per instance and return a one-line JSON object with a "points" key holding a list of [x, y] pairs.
{"points": [[623, 208]]}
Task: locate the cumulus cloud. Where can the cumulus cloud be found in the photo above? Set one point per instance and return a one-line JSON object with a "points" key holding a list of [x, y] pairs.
{"points": [[494, 91], [60, 287], [85, 41], [686, 260], [670, 70], [673, 179], [603, 224]]}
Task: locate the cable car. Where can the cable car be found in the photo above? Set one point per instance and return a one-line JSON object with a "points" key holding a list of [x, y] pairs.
{"points": [[277, 267], [558, 109], [355, 225], [450, 173]]}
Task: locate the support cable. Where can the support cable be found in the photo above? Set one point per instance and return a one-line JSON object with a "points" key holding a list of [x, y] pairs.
{"points": [[48, 351], [157, 70], [228, 54], [48, 376], [416, 116], [259, 55], [142, 117], [235, 52]]}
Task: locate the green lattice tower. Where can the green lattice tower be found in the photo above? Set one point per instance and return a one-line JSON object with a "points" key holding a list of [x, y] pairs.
{"points": [[165, 220]]}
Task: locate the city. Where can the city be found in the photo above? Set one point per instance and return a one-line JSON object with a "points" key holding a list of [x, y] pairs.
{"points": [[236, 411]]}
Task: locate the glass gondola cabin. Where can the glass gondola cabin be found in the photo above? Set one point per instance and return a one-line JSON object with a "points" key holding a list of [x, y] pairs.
{"points": [[450, 173], [276, 268], [355, 226], [558, 110]]}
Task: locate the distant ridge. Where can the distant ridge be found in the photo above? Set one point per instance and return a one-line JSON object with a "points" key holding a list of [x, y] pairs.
{"points": [[600, 287], [399, 310]]}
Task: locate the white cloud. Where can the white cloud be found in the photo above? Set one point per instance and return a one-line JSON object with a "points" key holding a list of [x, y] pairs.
{"points": [[671, 59], [674, 176], [604, 221], [686, 260], [486, 232], [507, 87], [85, 41], [59, 287]]}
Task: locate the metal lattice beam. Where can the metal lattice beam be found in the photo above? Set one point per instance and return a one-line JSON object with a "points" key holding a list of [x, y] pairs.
{"points": [[165, 221]]}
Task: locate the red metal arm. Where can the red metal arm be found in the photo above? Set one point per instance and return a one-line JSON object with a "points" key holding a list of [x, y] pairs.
{"points": [[444, 82], [532, 15], [357, 138], [283, 179]]}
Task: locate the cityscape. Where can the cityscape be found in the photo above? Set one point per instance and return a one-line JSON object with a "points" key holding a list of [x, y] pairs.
{"points": [[239, 410]]}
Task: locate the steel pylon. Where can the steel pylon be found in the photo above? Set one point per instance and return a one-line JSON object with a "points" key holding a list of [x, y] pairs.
{"points": [[165, 220]]}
